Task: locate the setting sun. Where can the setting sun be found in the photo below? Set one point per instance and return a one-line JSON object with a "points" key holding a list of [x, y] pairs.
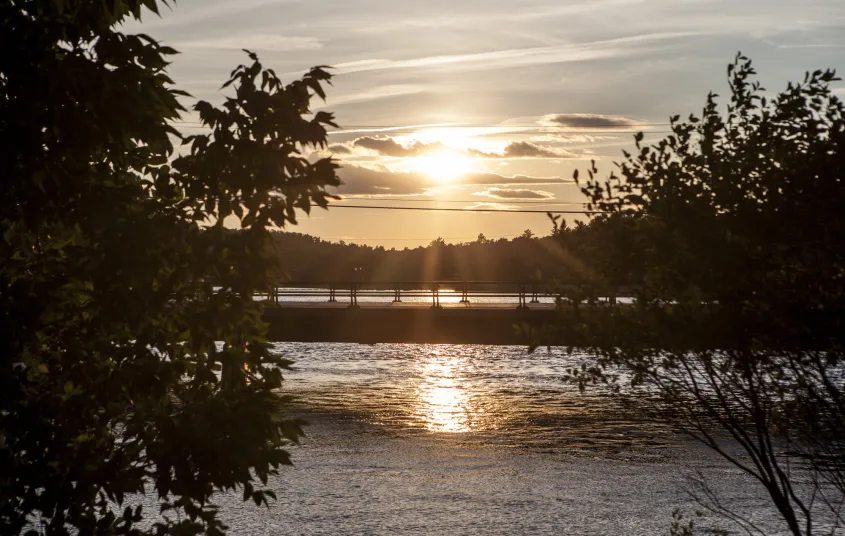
{"points": [[442, 166]]}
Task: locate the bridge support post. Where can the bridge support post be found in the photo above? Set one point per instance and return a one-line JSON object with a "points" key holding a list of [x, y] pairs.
{"points": [[522, 304], [534, 296], [332, 294], [353, 295], [435, 296], [397, 294], [464, 294]]}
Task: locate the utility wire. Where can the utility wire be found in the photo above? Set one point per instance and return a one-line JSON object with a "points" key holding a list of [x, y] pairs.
{"points": [[543, 130], [432, 209], [502, 200], [529, 125], [423, 127], [413, 239]]}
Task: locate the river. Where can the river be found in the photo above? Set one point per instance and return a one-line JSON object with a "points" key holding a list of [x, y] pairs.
{"points": [[452, 440]]}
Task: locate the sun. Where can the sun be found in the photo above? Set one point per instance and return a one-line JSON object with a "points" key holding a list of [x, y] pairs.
{"points": [[442, 166]]}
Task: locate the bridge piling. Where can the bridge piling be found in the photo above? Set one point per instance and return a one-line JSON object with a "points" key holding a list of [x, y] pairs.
{"points": [[435, 296], [522, 292], [353, 295], [464, 293]]}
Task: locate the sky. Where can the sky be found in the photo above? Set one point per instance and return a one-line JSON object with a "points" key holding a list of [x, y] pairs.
{"points": [[490, 104]]}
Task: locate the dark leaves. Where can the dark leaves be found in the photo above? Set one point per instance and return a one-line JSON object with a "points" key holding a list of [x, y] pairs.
{"points": [[729, 233], [132, 353]]}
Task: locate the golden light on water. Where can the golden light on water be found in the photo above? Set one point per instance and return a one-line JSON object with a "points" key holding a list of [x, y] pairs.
{"points": [[443, 402]]}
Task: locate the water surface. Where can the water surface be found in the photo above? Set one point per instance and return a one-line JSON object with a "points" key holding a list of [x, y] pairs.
{"points": [[486, 440], [452, 439]]}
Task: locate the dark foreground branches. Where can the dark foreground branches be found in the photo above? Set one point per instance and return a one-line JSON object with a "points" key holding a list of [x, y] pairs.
{"points": [[122, 370], [733, 228]]}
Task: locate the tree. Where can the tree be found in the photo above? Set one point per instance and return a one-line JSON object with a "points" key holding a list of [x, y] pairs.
{"points": [[528, 234], [132, 355], [733, 228]]}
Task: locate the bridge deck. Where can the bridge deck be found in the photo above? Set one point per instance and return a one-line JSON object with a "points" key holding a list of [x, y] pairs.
{"points": [[409, 305], [380, 322]]}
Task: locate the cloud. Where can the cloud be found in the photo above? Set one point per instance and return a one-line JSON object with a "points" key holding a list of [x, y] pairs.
{"points": [[375, 93], [339, 148], [358, 180], [492, 206], [524, 149], [562, 137], [193, 13], [390, 147], [516, 149], [495, 178], [588, 121], [257, 42], [609, 48], [508, 193]]}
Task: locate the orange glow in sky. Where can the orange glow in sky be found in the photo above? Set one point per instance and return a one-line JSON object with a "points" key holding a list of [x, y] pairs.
{"points": [[442, 166]]}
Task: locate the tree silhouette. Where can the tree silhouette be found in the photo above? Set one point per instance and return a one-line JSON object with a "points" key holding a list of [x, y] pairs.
{"points": [[734, 229], [122, 368]]}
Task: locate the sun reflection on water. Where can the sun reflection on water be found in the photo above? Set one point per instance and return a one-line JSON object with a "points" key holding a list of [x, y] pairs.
{"points": [[443, 402]]}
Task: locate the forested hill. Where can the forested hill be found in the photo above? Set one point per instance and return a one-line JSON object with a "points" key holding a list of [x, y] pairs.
{"points": [[309, 259]]}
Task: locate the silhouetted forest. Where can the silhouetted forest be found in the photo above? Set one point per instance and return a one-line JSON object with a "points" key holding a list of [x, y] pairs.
{"points": [[557, 256]]}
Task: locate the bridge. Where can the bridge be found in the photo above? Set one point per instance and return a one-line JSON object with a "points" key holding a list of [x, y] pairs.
{"points": [[457, 312]]}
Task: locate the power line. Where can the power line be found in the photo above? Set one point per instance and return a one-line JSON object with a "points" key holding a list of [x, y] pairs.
{"points": [[412, 239], [503, 200], [571, 132], [432, 209], [529, 125], [468, 126], [415, 131]]}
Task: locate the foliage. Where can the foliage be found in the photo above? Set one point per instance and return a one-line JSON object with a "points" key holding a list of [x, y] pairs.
{"points": [[307, 258], [113, 378], [733, 228]]}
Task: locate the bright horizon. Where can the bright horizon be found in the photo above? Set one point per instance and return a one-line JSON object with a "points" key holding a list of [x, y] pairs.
{"points": [[487, 105]]}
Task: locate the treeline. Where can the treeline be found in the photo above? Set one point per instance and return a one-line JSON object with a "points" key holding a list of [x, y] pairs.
{"points": [[564, 255]]}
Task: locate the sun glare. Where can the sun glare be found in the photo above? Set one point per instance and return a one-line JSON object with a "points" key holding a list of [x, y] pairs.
{"points": [[442, 166], [443, 405]]}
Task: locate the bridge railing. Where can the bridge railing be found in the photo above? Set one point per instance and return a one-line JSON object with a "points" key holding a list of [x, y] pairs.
{"points": [[520, 292]]}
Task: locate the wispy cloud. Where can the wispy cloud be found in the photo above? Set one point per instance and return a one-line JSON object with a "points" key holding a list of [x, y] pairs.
{"points": [[490, 15], [338, 148], [379, 180], [491, 206], [374, 130], [387, 146], [376, 93], [510, 193], [518, 56], [524, 149], [390, 147], [814, 45], [562, 137], [588, 121], [256, 42], [192, 14]]}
